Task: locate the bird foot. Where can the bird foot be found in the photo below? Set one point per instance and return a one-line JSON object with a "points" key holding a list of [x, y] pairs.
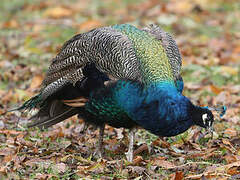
{"points": [[129, 156], [85, 127], [99, 151]]}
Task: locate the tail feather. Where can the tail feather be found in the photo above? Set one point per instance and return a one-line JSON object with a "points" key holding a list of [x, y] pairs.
{"points": [[34, 102], [45, 122], [53, 113]]}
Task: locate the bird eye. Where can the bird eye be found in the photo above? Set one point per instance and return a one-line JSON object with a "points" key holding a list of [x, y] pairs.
{"points": [[204, 118]]}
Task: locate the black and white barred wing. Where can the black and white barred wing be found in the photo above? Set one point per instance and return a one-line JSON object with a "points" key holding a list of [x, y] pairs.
{"points": [[110, 51]]}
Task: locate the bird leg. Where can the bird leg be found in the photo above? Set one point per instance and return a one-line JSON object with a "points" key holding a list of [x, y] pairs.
{"points": [[85, 127], [131, 137], [100, 141]]}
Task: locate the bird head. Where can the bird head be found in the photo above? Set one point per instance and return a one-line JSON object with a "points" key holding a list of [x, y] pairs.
{"points": [[166, 112], [203, 117]]}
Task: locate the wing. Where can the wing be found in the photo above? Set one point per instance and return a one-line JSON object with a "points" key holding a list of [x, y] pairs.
{"points": [[108, 49], [88, 60], [120, 51], [172, 51]]}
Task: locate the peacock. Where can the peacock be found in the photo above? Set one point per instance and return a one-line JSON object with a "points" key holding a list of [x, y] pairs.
{"points": [[122, 76]]}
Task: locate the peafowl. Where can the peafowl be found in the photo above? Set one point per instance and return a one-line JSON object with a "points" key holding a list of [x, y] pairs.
{"points": [[121, 76]]}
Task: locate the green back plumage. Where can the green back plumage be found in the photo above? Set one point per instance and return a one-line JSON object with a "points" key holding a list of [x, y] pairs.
{"points": [[154, 62]]}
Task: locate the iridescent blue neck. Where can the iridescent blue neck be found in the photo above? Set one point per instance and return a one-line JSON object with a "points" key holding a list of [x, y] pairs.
{"points": [[159, 107]]}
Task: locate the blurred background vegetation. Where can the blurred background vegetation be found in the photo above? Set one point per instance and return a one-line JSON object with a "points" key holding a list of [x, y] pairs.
{"points": [[206, 31]]}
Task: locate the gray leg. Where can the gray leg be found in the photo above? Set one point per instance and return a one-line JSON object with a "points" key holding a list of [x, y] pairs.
{"points": [[85, 127], [100, 141], [131, 136]]}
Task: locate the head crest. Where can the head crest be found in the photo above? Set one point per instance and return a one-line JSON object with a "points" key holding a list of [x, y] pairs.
{"points": [[221, 110]]}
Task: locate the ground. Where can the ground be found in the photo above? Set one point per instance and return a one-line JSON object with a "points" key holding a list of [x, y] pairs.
{"points": [[207, 33]]}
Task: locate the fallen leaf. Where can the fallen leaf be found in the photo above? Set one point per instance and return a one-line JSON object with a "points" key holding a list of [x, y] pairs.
{"points": [[136, 170], [58, 12], [60, 167], [230, 132], [13, 132], [233, 170], [142, 148], [36, 82], [163, 163], [88, 25], [137, 160], [235, 164], [230, 158], [37, 161], [181, 7], [179, 175], [215, 89], [11, 24]]}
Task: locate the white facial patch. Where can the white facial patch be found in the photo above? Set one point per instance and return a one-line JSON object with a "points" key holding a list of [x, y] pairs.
{"points": [[204, 118]]}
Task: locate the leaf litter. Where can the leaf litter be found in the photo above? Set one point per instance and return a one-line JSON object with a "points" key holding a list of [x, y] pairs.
{"points": [[210, 46]]}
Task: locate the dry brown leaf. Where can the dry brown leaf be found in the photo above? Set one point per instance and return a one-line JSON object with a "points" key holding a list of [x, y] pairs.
{"points": [[162, 163], [37, 161], [145, 5], [58, 12], [223, 97], [13, 132], [23, 142], [6, 151], [36, 82], [230, 132], [214, 171], [180, 7], [179, 175], [140, 149], [60, 167], [165, 144], [9, 158], [235, 164], [96, 166], [233, 89], [233, 170], [136, 170], [215, 89], [230, 158], [88, 25], [3, 169], [7, 97], [137, 160], [11, 24]]}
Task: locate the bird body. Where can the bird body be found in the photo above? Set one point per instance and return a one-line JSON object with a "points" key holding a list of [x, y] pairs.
{"points": [[159, 108], [122, 76]]}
